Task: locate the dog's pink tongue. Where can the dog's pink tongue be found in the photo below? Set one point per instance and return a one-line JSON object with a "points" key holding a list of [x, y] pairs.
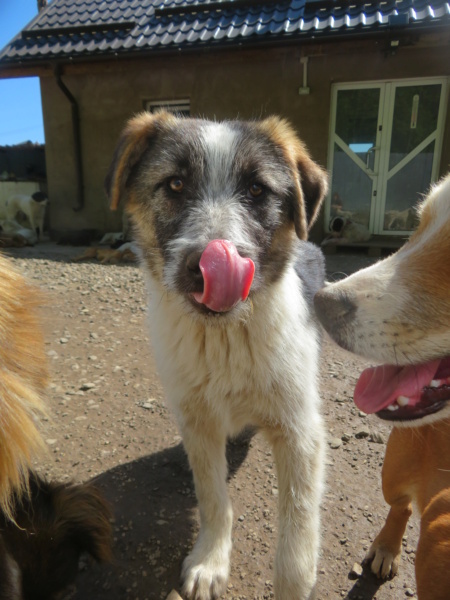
{"points": [[227, 276], [380, 386]]}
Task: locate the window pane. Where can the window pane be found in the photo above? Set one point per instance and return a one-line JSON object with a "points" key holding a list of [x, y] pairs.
{"points": [[351, 189], [415, 118], [357, 118], [405, 189]]}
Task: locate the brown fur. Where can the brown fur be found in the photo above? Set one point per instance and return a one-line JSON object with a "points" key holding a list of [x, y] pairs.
{"points": [[131, 146], [106, 255], [311, 180], [53, 526], [426, 478], [23, 378]]}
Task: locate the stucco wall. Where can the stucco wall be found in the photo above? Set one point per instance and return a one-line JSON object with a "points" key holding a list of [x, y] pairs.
{"points": [[244, 84]]}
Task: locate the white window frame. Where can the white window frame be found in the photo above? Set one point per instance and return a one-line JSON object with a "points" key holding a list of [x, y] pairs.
{"points": [[386, 108]]}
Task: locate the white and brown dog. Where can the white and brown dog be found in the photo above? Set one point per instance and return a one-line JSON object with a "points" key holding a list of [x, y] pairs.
{"points": [[33, 207], [218, 210], [398, 312]]}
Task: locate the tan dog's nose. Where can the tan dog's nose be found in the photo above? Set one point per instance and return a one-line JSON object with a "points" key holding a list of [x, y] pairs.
{"points": [[335, 309]]}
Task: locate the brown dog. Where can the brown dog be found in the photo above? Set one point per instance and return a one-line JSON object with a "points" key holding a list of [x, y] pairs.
{"points": [[109, 256], [54, 524], [44, 528], [398, 312]]}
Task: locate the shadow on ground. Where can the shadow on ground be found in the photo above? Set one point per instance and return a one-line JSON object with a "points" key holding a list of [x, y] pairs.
{"points": [[153, 500], [366, 587]]}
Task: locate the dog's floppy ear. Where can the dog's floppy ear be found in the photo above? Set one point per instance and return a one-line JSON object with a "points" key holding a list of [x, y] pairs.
{"points": [[39, 196], [311, 180], [84, 516], [314, 185], [134, 141]]}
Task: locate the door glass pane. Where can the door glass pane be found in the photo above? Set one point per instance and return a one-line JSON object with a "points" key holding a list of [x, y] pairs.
{"points": [[357, 126], [416, 112], [351, 189], [357, 118], [405, 189]]}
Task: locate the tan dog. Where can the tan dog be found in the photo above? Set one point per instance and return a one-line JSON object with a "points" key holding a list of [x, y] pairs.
{"points": [[108, 256], [398, 312], [220, 212]]}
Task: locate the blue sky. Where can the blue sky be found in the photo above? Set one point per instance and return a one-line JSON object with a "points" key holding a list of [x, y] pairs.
{"points": [[20, 99]]}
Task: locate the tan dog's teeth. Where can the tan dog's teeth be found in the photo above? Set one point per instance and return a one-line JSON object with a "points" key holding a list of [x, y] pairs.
{"points": [[393, 407], [402, 401], [436, 383]]}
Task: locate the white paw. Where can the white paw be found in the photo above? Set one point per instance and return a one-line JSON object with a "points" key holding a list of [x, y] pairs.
{"points": [[206, 578], [385, 562]]}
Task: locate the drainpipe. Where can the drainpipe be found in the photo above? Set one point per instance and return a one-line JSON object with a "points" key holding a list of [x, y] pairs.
{"points": [[76, 140]]}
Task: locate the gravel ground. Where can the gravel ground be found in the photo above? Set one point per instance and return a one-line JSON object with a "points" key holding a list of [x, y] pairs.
{"points": [[109, 423]]}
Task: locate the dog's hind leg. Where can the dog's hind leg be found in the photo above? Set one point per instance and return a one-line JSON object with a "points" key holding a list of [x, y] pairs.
{"points": [[300, 482], [206, 569], [433, 551]]}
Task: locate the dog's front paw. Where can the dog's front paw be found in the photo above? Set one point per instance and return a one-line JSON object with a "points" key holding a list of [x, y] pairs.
{"points": [[205, 577], [385, 561]]}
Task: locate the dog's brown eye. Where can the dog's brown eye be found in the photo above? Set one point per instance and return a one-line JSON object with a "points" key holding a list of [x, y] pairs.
{"points": [[176, 185], [255, 190]]}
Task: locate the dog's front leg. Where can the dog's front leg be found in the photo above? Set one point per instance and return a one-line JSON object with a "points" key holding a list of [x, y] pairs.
{"points": [[400, 475], [299, 463], [206, 569], [33, 222]]}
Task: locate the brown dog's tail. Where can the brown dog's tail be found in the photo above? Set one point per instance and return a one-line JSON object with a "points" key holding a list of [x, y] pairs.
{"points": [[23, 378]]}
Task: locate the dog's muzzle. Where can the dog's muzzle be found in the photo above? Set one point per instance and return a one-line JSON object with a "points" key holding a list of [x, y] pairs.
{"points": [[226, 275], [336, 311]]}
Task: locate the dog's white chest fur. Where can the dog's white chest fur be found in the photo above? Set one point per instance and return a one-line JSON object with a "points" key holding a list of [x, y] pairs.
{"points": [[225, 367]]}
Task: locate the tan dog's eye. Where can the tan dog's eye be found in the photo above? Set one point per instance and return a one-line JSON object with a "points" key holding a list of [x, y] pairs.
{"points": [[176, 185], [255, 190]]}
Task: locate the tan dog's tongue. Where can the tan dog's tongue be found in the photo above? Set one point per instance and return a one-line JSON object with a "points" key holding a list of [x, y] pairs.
{"points": [[227, 276], [379, 386]]}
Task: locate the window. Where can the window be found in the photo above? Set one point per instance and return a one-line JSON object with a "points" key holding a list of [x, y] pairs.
{"points": [[178, 107]]}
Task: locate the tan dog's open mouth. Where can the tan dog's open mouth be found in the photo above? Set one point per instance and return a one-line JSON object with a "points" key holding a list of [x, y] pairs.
{"points": [[408, 393]]}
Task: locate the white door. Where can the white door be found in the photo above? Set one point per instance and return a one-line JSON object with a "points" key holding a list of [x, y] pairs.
{"points": [[385, 145]]}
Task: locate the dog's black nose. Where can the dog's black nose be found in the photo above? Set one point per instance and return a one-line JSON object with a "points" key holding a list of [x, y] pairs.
{"points": [[193, 266], [335, 309]]}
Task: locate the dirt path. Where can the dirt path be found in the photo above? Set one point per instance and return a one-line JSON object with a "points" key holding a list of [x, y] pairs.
{"points": [[110, 423]]}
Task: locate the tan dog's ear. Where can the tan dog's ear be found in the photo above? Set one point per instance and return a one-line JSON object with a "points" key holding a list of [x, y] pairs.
{"points": [[133, 142], [311, 180]]}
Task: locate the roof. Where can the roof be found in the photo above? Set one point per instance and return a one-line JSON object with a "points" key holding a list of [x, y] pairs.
{"points": [[70, 29]]}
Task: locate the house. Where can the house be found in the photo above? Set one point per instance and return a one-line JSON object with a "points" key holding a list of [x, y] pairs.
{"points": [[365, 83]]}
